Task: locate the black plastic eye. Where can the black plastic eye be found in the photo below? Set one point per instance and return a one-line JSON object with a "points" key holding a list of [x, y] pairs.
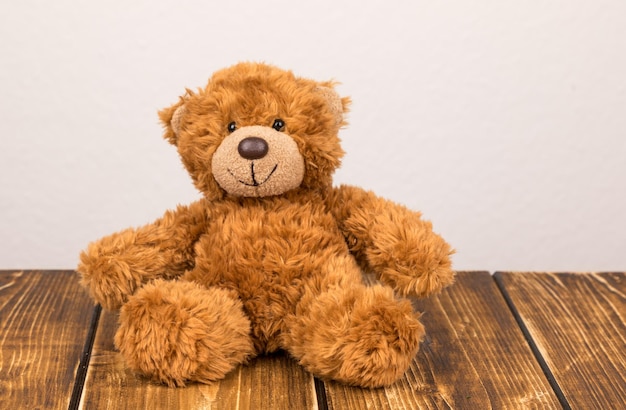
{"points": [[232, 126], [279, 124]]}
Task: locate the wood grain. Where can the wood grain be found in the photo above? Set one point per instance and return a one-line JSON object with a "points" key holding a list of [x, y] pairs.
{"points": [[577, 322], [274, 382], [44, 321], [473, 357]]}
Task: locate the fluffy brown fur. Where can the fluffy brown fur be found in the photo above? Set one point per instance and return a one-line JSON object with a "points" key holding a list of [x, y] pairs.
{"points": [[255, 268]]}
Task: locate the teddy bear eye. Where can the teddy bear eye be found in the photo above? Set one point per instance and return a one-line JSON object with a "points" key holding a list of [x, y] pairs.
{"points": [[279, 124], [232, 126]]}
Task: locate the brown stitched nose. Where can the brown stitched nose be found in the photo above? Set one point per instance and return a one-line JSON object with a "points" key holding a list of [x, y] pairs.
{"points": [[253, 148]]}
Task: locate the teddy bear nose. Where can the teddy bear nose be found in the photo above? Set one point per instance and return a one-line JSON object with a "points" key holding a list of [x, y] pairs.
{"points": [[253, 148]]}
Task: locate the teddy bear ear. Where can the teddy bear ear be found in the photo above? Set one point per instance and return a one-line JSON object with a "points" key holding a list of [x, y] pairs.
{"points": [[177, 118], [338, 106], [171, 118]]}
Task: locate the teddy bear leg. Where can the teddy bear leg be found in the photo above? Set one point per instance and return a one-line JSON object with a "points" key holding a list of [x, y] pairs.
{"points": [[174, 331], [361, 336]]}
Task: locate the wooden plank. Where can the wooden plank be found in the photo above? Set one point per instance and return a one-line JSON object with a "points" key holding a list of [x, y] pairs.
{"points": [[474, 356], [274, 382], [44, 321], [577, 323]]}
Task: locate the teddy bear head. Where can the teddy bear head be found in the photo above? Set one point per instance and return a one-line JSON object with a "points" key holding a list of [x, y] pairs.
{"points": [[256, 131]]}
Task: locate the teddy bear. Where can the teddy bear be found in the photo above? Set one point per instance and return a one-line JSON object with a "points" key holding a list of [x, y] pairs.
{"points": [[272, 256]]}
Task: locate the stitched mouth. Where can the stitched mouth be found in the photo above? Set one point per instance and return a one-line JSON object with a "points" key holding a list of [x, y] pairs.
{"points": [[253, 175]]}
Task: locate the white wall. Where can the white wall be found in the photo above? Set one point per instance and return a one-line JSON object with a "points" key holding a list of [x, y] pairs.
{"points": [[504, 122]]}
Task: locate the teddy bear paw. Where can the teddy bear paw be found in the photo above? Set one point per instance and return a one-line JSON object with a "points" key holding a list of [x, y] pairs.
{"points": [[174, 332], [362, 336]]}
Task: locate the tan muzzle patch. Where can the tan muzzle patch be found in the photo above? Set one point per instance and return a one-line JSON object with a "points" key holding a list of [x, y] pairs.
{"points": [[258, 161]]}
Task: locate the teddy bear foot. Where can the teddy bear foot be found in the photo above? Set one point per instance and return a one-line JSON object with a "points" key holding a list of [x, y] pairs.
{"points": [[362, 336], [175, 332]]}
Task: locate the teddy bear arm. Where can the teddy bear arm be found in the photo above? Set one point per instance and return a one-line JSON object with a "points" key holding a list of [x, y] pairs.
{"points": [[392, 241], [113, 267]]}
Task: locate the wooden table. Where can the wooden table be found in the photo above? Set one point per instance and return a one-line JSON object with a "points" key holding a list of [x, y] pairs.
{"points": [[507, 341]]}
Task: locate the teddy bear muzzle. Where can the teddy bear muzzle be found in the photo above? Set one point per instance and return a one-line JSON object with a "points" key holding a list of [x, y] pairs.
{"points": [[258, 161]]}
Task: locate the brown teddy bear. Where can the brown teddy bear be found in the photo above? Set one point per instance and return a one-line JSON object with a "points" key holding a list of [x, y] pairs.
{"points": [[272, 256]]}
